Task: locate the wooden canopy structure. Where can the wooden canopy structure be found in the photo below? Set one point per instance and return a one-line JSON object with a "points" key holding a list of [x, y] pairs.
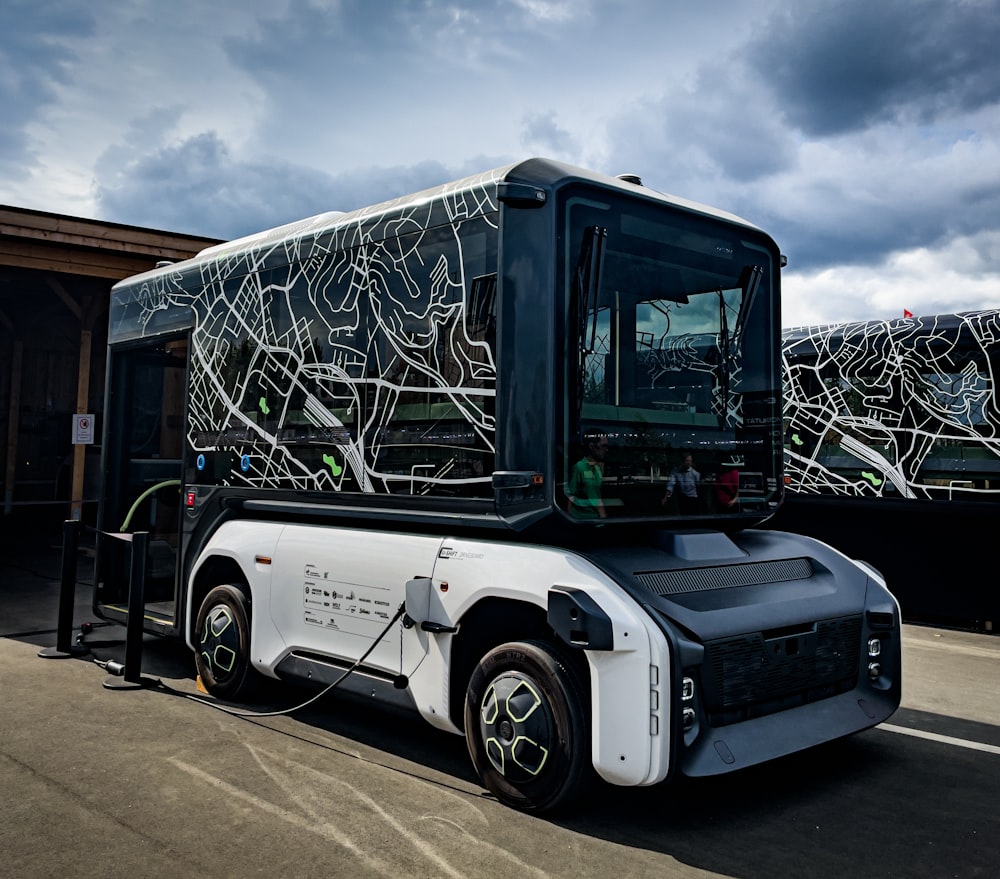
{"points": [[56, 274]]}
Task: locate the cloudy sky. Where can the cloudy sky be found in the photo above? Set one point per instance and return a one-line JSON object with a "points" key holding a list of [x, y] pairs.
{"points": [[864, 135]]}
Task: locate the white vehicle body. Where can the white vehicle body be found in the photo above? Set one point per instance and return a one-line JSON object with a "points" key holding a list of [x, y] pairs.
{"points": [[350, 582], [323, 598]]}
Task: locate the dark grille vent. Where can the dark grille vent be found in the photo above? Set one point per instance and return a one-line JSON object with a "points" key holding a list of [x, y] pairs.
{"points": [[752, 675], [724, 576]]}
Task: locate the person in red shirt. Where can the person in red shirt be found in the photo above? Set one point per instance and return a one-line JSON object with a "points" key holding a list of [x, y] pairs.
{"points": [[727, 487]]}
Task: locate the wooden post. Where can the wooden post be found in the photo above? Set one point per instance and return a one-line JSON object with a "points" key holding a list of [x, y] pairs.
{"points": [[80, 450]]}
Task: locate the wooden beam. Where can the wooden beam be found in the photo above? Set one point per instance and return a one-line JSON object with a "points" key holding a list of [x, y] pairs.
{"points": [[64, 295], [56, 243], [93, 264], [59, 229], [80, 450]]}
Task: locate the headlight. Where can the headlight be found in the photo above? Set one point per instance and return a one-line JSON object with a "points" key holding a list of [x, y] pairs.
{"points": [[688, 719], [687, 689]]}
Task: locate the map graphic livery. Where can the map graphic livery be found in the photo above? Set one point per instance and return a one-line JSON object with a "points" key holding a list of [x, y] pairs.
{"points": [[345, 352], [904, 409]]}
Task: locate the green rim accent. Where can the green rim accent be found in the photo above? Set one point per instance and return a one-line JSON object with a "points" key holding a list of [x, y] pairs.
{"points": [[220, 641], [516, 726]]}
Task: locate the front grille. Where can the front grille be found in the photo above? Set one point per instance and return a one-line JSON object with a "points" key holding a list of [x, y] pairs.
{"points": [[763, 672], [724, 576]]}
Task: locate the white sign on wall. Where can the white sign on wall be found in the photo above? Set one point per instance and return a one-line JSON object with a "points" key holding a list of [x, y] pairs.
{"points": [[83, 430]]}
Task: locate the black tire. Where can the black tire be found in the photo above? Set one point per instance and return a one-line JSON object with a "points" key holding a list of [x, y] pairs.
{"points": [[527, 728], [222, 644]]}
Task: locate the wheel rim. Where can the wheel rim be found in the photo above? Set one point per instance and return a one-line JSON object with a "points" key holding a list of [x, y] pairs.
{"points": [[220, 642], [516, 725]]}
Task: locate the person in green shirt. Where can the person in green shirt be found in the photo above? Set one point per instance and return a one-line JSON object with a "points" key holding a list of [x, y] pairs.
{"points": [[584, 487]]}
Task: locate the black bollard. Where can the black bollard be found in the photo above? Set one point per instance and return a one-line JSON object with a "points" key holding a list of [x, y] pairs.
{"points": [[67, 598], [132, 678]]}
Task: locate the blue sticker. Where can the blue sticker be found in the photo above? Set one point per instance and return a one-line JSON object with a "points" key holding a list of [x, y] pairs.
{"points": [[245, 463], [200, 462]]}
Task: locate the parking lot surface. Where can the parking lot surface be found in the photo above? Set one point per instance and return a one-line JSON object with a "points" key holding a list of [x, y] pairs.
{"points": [[148, 782]]}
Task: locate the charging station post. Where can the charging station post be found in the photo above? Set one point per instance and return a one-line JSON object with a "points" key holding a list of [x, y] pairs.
{"points": [[67, 597], [132, 678]]}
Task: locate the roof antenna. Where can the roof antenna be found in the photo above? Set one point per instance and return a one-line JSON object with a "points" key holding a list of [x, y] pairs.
{"points": [[631, 178]]}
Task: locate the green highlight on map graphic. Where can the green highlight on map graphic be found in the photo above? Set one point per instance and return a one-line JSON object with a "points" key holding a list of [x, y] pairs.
{"points": [[796, 439], [331, 462], [263, 406], [871, 477]]}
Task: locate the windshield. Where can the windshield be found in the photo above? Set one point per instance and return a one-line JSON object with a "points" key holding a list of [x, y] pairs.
{"points": [[672, 393]]}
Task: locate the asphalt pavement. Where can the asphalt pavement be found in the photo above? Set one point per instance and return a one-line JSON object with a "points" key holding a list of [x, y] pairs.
{"points": [[149, 782]]}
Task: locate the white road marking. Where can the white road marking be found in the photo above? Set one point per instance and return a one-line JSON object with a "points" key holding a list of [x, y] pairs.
{"points": [[499, 854], [427, 849], [986, 651], [937, 737], [326, 830]]}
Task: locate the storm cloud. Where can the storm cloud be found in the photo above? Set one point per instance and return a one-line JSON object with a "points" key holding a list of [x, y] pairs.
{"points": [[863, 136]]}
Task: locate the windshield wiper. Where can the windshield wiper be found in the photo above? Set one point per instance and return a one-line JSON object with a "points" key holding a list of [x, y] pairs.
{"points": [[750, 279], [588, 282], [587, 285], [725, 354]]}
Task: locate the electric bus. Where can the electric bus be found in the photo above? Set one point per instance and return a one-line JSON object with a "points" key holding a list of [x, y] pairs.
{"points": [[426, 449]]}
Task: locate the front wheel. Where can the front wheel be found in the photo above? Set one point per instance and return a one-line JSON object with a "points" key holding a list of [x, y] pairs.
{"points": [[526, 726], [222, 643]]}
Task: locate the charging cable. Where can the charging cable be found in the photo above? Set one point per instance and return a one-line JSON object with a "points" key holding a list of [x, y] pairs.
{"points": [[400, 682]]}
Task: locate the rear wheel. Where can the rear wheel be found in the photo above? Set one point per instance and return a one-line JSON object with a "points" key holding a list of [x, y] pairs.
{"points": [[526, 726], [222, 643]]}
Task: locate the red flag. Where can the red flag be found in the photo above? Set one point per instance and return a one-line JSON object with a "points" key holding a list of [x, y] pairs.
{"points": [[907, 313]]}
